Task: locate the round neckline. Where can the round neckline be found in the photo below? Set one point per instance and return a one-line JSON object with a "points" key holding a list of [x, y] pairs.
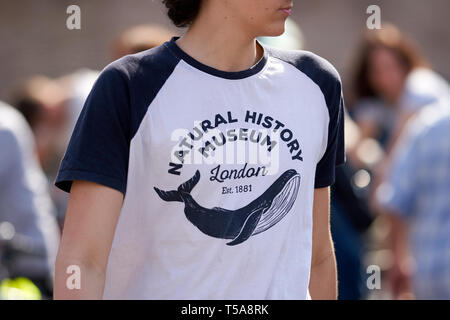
{"points": [[231, 75]]}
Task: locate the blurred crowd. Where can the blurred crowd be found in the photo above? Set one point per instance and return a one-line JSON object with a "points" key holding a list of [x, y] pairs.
{"points": [[390, 203]]}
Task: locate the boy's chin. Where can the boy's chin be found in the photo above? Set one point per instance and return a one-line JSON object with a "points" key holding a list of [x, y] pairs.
{"points": [[274, 31]]}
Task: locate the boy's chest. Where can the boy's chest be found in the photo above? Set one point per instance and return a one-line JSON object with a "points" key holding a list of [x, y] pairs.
{"points": [[272, 125]]}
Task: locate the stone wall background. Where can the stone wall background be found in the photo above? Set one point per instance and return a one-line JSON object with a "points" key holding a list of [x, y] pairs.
{"points": [[34, 38]]}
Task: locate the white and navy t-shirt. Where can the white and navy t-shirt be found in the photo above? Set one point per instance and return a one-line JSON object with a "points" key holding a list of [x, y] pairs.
{"points": [[218, 171]]}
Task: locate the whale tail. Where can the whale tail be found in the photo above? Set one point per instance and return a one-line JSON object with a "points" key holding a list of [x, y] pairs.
{"points": [[175, 195]]}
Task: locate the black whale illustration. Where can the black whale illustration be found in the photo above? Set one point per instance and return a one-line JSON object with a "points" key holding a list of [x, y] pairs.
{"points": [[256, 217]]}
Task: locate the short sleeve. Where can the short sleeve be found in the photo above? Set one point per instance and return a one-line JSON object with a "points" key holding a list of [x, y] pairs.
{"points": [[98, 150], [335, 151]]}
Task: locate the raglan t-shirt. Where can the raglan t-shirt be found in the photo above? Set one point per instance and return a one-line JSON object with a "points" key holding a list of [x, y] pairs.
{"points": [[218, 171]]}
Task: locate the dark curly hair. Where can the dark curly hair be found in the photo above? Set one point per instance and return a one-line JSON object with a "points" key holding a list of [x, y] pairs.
{"points": [[182, 12]]}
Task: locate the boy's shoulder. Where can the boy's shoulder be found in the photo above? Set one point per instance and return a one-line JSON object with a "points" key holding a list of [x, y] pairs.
{"points": [[314, 66], [155, 61]]}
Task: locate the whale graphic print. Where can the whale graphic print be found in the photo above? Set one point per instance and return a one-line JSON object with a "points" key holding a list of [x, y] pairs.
{"points": [[238, 225]]}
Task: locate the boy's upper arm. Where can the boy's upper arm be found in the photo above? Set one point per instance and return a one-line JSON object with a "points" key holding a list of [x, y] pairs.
{"points": [[92, 214], [321, 224]]}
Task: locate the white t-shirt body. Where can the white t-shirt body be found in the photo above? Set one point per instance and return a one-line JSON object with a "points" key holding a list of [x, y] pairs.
{"points": [[218, 171]]}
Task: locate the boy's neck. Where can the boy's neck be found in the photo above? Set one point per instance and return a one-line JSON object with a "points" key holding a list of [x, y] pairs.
{"points": [[218, 40]]}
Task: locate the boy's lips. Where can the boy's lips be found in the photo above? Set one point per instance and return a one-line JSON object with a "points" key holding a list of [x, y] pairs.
{"points": [[287, 10]]}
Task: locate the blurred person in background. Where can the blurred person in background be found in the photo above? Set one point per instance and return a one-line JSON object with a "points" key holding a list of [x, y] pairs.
{"points": [[25, 205], [392, 81], [42, 100], [351, 216], [416, 199], [45, 104], [384, 61], [139, 38]]}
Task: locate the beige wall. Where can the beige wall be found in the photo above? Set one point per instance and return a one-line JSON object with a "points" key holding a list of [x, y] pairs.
{"points": [[34, 39]]}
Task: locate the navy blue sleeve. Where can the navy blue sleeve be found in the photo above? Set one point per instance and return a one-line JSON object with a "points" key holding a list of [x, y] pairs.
{"points": [[335, 152], [327, 78], [98, 150]]}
